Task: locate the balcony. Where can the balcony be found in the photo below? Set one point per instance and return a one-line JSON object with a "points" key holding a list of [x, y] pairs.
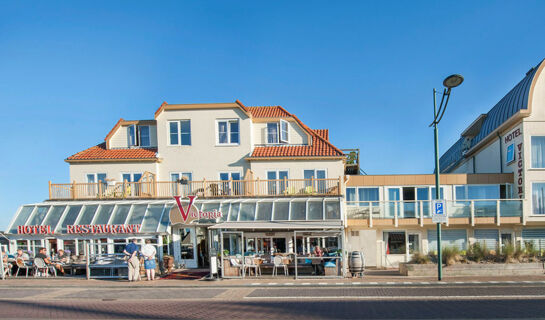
{"points": [[202, 189], [460, 212]]}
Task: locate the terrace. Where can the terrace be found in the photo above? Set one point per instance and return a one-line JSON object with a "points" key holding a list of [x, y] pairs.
{"points": [[460, 212], [203, 189]]}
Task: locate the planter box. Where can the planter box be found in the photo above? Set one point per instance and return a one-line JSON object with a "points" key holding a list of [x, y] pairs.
{"points": [[477, 269]]}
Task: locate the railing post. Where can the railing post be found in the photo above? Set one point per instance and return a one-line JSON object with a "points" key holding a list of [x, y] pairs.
{"points": [[498, 212], [285, 185], [49, 189], [340, 186], [74, 189], [99, 190], [472, 212], [522, 216], [395, 213], [370, 214], [204, 187], [257, 189], [230, 188], [421, 212]]}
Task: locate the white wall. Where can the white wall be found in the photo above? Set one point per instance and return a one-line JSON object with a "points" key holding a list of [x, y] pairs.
{"points": [[488, 159], [204, 158], [334, 168], [79, 171]]}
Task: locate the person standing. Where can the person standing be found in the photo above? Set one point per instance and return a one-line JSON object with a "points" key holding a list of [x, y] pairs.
{"points": [[149, 252], [131, 250]]}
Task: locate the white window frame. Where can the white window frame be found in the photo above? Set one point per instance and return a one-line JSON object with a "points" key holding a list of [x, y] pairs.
{"points": [[280, 138], [277, 132], [315, 171], [180, 174], [532, 200], [532, 153], [229, 143], [508, 160], [179, 133], [132, 173], [139, 141], [230, 173], [95, 174]]}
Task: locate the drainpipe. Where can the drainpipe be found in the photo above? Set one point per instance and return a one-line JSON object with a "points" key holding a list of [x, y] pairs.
{"points": [[501, 153]]}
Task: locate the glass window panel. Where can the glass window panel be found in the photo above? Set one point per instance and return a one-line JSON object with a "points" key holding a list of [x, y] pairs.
{"points": [[281, 210], [315, 210], [395, 242], [86, 217], [441, 193], [173, 132], [272, 132], [350, 194], [120, 214], [91, 178], [510, 154], [126, 177], [422, 194], [185, 126], [224, 176], [22, 217], [368, 194], [247, 211], [138, 212], [264, 211], [103, 214], [234, 131], [332, 210], [101, 177], [283, 131], [460, 192], [233, 214], [538, 152], [151, 220], [70, 217], [165, 219], [224, 210], [144, 136], [298, 210], [38, 216], [54, 216], [235, 176], [222, 132], [131, 136], [538, 198]]}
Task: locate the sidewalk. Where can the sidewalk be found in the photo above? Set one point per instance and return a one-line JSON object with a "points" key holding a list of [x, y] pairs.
{"points": [[371, 278]]}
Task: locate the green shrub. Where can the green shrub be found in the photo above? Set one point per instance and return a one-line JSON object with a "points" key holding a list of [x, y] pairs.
{"points": [[420, 258], [477, 252], [508, 252], [450, 255]]}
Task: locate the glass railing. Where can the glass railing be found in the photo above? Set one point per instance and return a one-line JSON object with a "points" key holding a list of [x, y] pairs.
{"points": [[423, 209]]}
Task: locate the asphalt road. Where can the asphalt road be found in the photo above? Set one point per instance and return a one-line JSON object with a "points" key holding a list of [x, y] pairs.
{"points": [[384, 302]]}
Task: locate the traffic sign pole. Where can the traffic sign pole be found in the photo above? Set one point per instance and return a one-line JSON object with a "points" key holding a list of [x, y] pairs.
{"points": [[437, 190]]}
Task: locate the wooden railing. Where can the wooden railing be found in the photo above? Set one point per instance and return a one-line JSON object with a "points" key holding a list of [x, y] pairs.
{"points": [[202, 189]]}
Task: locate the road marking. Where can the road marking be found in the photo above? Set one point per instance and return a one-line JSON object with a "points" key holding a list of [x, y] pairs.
{"points": [[322, 283], [340, 283], [530, 296], [407, 282], [356, 283], [493, 282], [373, 283], [424, 282], [234, 294], [306, 283], [255, 284], [390, 282], [459, 282], [289, 284], [272, 283]]}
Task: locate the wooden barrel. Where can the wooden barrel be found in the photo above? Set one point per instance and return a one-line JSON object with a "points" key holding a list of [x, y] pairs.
{"points": [[356, 262]]}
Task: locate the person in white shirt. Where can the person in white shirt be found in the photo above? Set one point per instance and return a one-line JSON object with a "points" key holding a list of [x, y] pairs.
{"points": [[149, 252]]}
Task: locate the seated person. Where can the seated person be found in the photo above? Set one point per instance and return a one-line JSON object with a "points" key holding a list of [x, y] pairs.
{"points": [[63, 259], [42, 254], [7, 265], [23, 255], [318, 263]]}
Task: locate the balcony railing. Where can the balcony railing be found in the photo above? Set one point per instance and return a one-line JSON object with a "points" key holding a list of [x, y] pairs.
{"points": [[472, 209], [202, 189]]}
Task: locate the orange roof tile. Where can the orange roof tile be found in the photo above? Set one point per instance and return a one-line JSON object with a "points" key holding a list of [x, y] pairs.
{"points": [[324, 133], [268, 112], [99, 152]]}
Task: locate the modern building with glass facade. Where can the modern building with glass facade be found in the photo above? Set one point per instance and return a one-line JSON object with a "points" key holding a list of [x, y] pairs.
{"points": [[492, 178]]}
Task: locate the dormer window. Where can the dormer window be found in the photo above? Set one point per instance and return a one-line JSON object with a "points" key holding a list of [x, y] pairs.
{"points": [[138, 136], [277, 132]]}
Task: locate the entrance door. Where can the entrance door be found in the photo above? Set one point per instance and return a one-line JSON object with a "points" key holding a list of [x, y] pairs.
{"points": [[232, 254], [187, 244]]}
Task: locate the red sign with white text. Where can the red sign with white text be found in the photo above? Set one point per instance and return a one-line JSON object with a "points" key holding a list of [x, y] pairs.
{"points": [[34, 230], [179, 214]]}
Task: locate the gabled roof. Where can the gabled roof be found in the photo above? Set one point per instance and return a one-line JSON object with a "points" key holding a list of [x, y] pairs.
{"points": [[237, 104], [516, 101], [100, 153]]}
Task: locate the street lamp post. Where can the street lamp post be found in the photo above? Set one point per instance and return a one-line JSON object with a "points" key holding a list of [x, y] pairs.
{"points": [[449, 83]]}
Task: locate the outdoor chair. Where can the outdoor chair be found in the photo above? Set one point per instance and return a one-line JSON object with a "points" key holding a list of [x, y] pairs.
{"points": [[7, 270], [22, 265], [250, 263], [235, 264], [41, 268], [279, 263]]}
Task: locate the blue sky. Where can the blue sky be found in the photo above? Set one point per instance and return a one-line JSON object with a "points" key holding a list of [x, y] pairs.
{"points": [[365, 70]]}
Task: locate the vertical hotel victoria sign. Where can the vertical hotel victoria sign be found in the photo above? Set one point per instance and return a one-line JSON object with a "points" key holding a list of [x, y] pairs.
{"points": [[180, 215], [514, 158]]}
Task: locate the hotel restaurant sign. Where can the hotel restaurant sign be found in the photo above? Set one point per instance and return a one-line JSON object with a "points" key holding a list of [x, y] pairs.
{"points": [[181, 215], [83, 229]]}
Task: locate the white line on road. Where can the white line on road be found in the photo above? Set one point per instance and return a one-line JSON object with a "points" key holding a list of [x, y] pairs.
{"points": [[540, 297]]}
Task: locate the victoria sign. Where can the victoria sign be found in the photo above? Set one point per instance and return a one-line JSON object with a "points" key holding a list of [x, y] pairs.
{"points": [[179, 214]]}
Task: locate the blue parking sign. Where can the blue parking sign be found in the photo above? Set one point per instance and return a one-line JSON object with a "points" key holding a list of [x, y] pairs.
{"points": [[439, 214], [439, 208]]}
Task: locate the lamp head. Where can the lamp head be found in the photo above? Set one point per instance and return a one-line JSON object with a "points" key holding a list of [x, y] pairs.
{"points": [[453, 81]]}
